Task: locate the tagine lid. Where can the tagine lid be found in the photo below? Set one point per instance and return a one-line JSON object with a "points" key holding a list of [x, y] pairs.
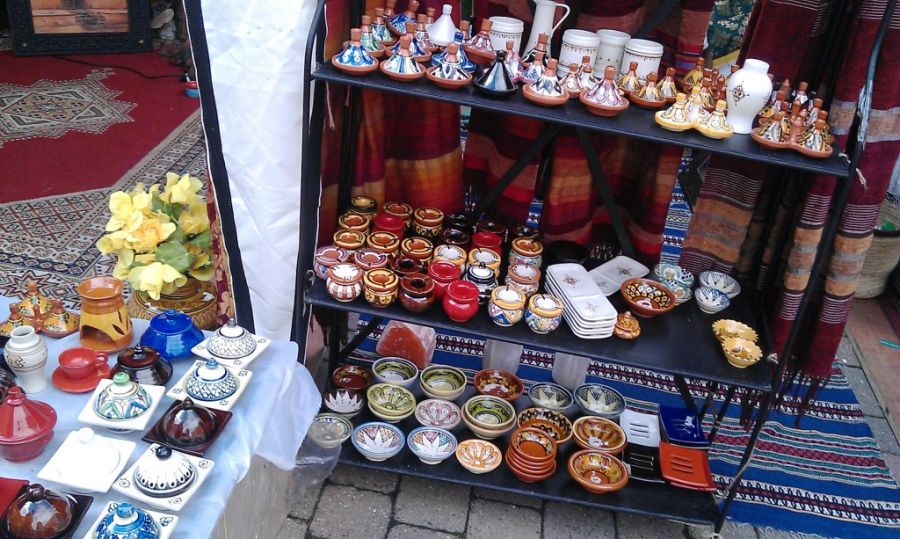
{"points": [[138, 357], [211, 381], [187, 424], [127, 521], [122, 399], [91, 456], [40, 508], [163, 473], [24, 420], [171, 322], [231, 341]]}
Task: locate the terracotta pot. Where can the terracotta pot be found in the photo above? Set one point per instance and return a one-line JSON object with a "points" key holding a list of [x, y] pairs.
{"points": [[105, 324], [386, 242], [326, 257], [389, 223], [418, 248], [460, 300], [404, 265], [380, 286], [442, 273], [344, 282], [416, 292], [26, 355]]}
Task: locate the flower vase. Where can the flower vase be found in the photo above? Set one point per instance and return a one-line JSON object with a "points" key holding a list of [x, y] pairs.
{"points": [[748, 92], [196, 299]]}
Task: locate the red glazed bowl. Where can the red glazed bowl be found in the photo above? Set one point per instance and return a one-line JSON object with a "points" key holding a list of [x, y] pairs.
{"points": [[497, 383], [460, 300], [442, 273]]}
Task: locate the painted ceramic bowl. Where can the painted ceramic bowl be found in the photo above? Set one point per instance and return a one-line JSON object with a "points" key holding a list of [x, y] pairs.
{"points": [[549, 395], [710, 300], [211, 382], [488, 417], [330, 430], [535, 445], [597, 472], [741, 353], [438, 413], [725, 329], [377, 441], [432, 445], [503, 384], [599, 400], [647, 298], [671, 272], [396, 371], [351, 377], [347, 402], [390, 403], [682, 292], [442, 382], [722, 282], [478, 456], [599, 433], [556, 425]]}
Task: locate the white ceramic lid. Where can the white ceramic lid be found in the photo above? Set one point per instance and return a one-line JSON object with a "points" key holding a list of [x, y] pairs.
{"points": [[231, 341], [91, 456], [581, 38], [644, 46], [613, 37], [164, 473]]}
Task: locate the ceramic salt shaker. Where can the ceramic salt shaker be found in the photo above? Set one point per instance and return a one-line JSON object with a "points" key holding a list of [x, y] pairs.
{"points": [[26, 354]]}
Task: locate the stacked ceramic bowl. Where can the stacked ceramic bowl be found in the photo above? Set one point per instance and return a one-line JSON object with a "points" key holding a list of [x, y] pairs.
{"points": [[716, 291], [552, 423], [390, 403], [738, 343], [677, 279], [442, 382], [585, 308], [531, 455], [488, 417]]}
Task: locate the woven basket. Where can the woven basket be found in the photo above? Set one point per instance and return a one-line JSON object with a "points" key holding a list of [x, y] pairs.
{"points": [[882, 256]]}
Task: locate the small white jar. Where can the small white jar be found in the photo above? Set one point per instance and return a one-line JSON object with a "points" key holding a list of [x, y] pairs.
{"points": [[505, 29], [575, 45], [610, 49], [646, 53], [26, 355]]}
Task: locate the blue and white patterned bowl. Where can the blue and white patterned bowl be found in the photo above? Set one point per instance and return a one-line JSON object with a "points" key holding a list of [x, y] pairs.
{"points": [[722, 282], [599, 400], [377, 441], [672, 272], [431, 444], [711, 300], [682, 293], [552, 396]]}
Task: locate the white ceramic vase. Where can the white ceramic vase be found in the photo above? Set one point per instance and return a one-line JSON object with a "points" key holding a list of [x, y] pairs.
{"points": [[611, 49], [441, 31], [748, 91], [576, 44], [544, 14], [26, 355]]}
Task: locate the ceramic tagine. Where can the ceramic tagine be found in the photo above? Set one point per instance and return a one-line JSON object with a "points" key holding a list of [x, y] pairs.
{"points": [[39, 513], [467, 64], [144, 365], [513, 61], [421, 35], [667, 88], [629, 82], [571, 82], [127, 522], [397, 23], [369, 41], [60, 322], [605, 99], [355, 59], [379, 28], [122, 399], [531, 72], [648, 96], [547, 90], [479, 48], [442, 31], [26, 355], [172, 334], [401, 66], [14, 321], [26, 426], [417, 49], [716, 125], [495, 80], [675, 117], [627, 326], [35, 307], [187, 425], [450, 74], [231, 341], [165, 473], [211, 382]]}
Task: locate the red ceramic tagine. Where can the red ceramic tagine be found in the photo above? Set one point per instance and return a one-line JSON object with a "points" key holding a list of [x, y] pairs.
{"points": [[80, 369], [39, 514], [26, 426]]}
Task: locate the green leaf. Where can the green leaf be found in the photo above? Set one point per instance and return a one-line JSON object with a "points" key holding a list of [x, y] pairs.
{"points": [[175, 255], [172, 210], [202, 240], [177, 236]]}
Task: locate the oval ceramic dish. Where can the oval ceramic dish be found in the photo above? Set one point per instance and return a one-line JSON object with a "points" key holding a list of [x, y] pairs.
{"points": [[600, 434], [432, 445], [599, 400], [377, 441], [478, 456], [442, 382], [438, 413], [396, 371]]}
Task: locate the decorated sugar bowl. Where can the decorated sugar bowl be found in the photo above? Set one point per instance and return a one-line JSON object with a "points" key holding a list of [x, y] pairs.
{"points": [[344, 282], [164, 473], [188, 425], [211, 382], [231, 341], [544, 313], [125, 521], [526, 251], [506, 306], [143, 365], [122, 399], [525, 278], [380, 287], [39, 513]]}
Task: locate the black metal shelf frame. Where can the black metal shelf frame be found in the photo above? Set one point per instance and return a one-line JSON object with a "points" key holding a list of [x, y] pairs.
{"points": [[633, 123]]}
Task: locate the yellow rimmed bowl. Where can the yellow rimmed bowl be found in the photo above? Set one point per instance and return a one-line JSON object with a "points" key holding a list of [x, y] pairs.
{"points": [[390, 403], [489, 417], [741, 353], [442, 382]]}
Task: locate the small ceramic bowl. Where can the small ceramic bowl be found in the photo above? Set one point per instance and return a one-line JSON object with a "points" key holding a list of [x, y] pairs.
{"points": [[741, 353], [710, 300], [682, 292], [351, 377], [534, 444], [330, 430], [396, 370], [647, 298], [599, 400], [597, 472], [556, 425], [390, 403], [488, 417], [442, 382], [377, 441], [552, 396], [672, 272], [503, 384], [432, 445], [600, 434], [478, 456], [347, 402], [725, 329], [722, 282], [438, 413]]}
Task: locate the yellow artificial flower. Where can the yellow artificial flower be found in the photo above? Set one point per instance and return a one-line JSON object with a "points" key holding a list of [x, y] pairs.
{"points": [[112, 242], [150, 234], [123, 264], [195, 220], [180, 190], [146, 258], [203, 274], [154, 277]]}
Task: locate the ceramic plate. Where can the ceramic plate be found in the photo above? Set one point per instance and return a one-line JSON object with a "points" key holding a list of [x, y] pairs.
{"points": [[573, 280], [642, 463], [164, 523], [125, 483], [682, 427], [686, 467], [610, 276], [243, 376], [261, 344], [93, 481], [594, 309], [89, 417], [640, 428]]}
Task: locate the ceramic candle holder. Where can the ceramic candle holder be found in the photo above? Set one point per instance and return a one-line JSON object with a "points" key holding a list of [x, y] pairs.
{"points": [[460, 300], [344, 282], [380, 286], [416, 292], [506, 306], [326, 257], [544, 313]]}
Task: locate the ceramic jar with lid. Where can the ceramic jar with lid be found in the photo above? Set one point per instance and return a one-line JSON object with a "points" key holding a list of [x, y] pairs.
{"points": [[525, 278], [416, 292], [418, 248], [380, 287], [506, 306], [231, 341], [645, 53], [144, 365], [544, 313], [26, 426], [526, 251], [487, 240], [443, 273], [26, 355], [187, 424], [494, 227], [164, 473], [354, 221], [428, 222], [404, 265], [368, 259], [385, 222], [344, 282], [451, 253], [399, 209], [349, 240], [172, 334], [453, 236], [482, 277], [40, 513], [460, 301], [458, 222], [211, 381], [326, 257], [127, 522], [364, 205], [488, 257], [386, 242], [122, 399]]}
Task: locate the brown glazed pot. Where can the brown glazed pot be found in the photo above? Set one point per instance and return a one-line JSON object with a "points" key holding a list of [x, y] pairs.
{"points": [[105, 324], [416, 292]]}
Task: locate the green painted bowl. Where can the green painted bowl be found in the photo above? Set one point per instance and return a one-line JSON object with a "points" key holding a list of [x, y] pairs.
{"points": [[442, 382], [488, 412], [390, 400], [396, 371]]}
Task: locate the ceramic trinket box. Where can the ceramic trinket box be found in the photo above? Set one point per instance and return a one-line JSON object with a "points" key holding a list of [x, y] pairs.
{"points": [[188, 427], [121, 405], [326, 257], [26, 426], [211, 384], [122, 520], [355, 59], [489, 257], [87, 462], [348, 240], [164, 478], [41, 513], [442, 273], [428, 222], [524, 277], [416, 292], [172, 334]]}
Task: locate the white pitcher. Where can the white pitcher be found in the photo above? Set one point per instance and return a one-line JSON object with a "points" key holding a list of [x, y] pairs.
{"points": [[544, 13]]}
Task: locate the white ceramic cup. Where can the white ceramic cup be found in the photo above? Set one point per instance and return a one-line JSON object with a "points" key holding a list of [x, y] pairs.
{"points": [[505, 29], [610, 50], [646, 53], [577, 44]]}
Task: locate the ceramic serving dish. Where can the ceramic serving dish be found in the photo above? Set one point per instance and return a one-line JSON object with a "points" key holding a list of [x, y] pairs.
{"points": [[144, 366], [498, 383], [599, 400], [478, 456], [431, 445], [610, 275], [600, 434], [488, 417], [555, 424], [347, 402], [164, 478], [377, 441], [330, 430], [226, 345], [550, 395], [710, 300], [443, 382], [681, 426], [722, 282], [351, 377], [396, 371], [390, 403], [211, 385], [41, 513], [188, 427], [597, 472], [640, 428], [87, 462], [741, 353], [648, 298], [725, 329], [438, 413], [121, 405], [172, 334], [122, 520]]}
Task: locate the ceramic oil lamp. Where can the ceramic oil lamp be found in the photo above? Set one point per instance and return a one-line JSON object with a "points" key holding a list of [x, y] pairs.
{"points": [[479, 48], [486, 257], [649, 96], [164, 473], [484, 278], [533, 71], [401, 66], [525, 278], [349, 240], [60, 322], [172, 333], [26, 355], [441, 32], [379, 29], [814, 142], [455, 236], [496, 80], [442, 273], [526, 251], [354, 221], [675, 117], [629, 82], [40, 513], [397, 23], [605, 99], [451, 253], [627, 326], [326, 257], [547, 90], [692, 77], [696, 112], [80, 369], [416, 48], [417, 248], [368, 40], [401, 210], [716, 125], [416, 292], [404, 265], [506, 306], [460, 301], [354, 59], [706, 95], [488, 239], [450, 73], [105, 325], [122, 399], [14, 321], [428, 222], [368, 259], [380, 287], [188, 425], [544, 313], [143, 365], [211, 381], [513, 61], [386, 242], [386, 222], [771, 135], [571, 82], [344, 282], [26, 426], [468, 65], [667, 88]]}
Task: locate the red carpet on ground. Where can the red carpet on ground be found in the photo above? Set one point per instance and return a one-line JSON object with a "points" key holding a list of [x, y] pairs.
{"points": [[67, 127]]}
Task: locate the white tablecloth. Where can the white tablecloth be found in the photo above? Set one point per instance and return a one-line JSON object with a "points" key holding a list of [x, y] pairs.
{"points": [[269, 420]]}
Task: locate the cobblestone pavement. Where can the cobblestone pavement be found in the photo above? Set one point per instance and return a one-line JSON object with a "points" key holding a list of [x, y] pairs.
{"points": [[362, 504]]}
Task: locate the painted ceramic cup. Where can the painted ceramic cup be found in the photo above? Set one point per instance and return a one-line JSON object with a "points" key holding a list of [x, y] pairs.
{"points": [[418, 248], [386, 242], [349, 240], [380, 287], [326, 257], [506, 306], [428, 222], [354, 221], [484, 278], [404, 265], [543, 313], [526, 251], [344, 282], [461, 300], [442, 273], [525, 278], [416, 292], [401, 210], [368, 259], [451, 253], [487, 257]]}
